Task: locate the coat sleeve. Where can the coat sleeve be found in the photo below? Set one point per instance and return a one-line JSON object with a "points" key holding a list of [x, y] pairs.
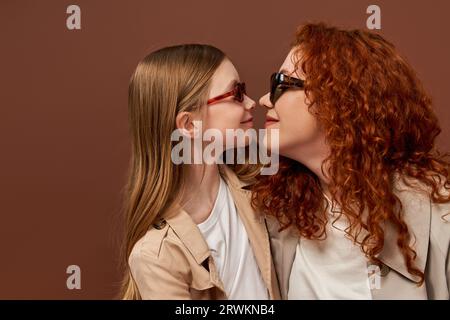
{"points": [[447, 253], [444, 212], [439, 252], [162, 276], [448, 274]]}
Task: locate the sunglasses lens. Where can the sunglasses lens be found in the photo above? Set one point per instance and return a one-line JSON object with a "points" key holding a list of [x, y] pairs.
{"points": [[240, 92], [275, 91], [276, 95], [273, 88], [279, 83]]}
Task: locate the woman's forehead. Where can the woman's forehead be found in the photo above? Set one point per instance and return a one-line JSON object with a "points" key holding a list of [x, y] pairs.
{"points": [[288, 65]]}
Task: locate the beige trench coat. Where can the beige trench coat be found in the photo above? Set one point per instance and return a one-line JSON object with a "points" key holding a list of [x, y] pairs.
{"points": [[430, 225], [173, 261]]}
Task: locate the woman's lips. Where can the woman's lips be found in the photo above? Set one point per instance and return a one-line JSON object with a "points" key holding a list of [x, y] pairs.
{"points": [[270, 121]]}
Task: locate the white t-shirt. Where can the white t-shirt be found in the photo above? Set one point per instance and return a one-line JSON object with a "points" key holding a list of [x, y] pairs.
{"points": [[230, 248], [334, 268]]}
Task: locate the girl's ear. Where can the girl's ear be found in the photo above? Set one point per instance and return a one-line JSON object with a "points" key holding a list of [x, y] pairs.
{"points": [[184, 122]]}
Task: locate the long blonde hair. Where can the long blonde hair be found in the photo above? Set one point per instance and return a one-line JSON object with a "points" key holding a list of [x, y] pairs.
{"points": [[166, 82]]}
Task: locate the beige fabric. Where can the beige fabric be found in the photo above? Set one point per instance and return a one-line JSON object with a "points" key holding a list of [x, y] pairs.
{"points": [[173, 260], [431, 228]]}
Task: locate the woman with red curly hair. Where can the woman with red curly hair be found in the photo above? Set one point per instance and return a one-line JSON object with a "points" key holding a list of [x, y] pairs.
{"points": [[360, 202]]}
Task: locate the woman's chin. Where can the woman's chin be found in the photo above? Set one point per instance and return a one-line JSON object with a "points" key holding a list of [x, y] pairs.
{"points": [[271, 141]]}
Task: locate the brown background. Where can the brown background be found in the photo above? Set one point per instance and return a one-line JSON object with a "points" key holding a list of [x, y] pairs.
{"points": [[64, 133]]}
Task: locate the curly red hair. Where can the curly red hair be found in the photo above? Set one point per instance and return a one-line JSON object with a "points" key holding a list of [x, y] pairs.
{"points": [[378, 121]]}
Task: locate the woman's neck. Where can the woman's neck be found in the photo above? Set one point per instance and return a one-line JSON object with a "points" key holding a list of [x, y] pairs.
{"points": [[200, 191], [313, 158], [324, 181]]}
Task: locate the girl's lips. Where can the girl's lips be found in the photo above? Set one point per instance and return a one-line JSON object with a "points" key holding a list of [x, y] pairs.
{"points": [[247, 121]]}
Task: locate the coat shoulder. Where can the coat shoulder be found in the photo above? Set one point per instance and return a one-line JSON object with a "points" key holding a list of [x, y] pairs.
{"points": [[416, 196], [155, 248], [440, 226]]}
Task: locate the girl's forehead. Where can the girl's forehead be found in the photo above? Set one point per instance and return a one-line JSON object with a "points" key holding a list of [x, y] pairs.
{"points": [[225, 74]]}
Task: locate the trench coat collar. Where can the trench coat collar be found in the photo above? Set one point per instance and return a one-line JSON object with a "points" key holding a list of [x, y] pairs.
{"points": [[255, 227], [187, 230], [416, 212]]}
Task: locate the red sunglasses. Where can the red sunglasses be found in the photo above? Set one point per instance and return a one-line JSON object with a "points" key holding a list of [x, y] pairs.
{"points": [[238, 93]]}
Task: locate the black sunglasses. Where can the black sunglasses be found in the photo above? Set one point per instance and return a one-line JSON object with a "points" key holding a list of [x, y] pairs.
{"points": [[279, 83]]}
